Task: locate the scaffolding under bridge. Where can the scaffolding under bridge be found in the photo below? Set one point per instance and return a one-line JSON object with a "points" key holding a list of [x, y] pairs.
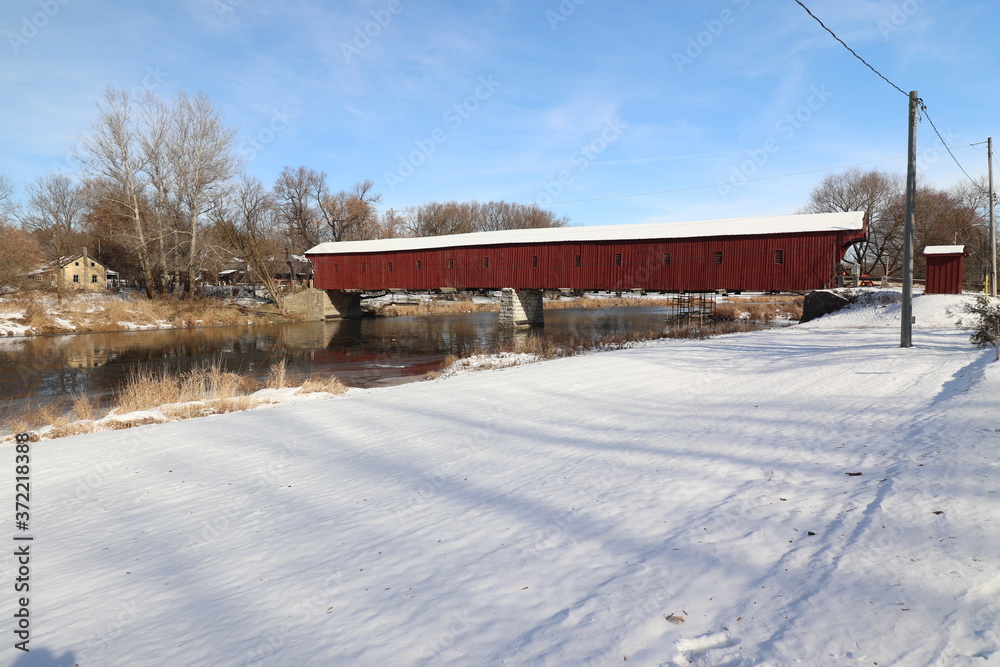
{"points": [[689, 309]]}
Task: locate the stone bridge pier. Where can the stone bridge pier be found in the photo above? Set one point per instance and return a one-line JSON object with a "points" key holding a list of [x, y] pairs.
{"points": [[521, 308], [330, 304]]}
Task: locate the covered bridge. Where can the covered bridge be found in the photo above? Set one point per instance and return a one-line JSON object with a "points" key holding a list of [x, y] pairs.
{"points": [[777, 253]]}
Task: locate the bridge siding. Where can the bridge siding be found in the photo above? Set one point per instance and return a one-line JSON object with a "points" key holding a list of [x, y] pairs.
{"points": [[748, 264]]}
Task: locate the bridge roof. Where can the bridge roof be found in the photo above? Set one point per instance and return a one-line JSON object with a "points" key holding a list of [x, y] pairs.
{"points": [[779, 224]]}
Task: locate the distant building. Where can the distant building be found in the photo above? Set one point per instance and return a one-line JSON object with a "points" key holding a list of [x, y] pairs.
{"points": [[79, 272], [945, 268]]}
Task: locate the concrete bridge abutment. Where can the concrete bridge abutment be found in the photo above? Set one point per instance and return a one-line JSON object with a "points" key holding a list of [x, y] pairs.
{"points": [[521, 308], [317, 304]]}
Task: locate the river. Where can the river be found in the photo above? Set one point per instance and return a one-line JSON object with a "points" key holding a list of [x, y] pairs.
{"points": [[362, 353]]}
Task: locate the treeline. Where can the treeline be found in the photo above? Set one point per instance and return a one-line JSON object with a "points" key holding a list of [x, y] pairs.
{"points": [[163, 198], [955, 216]]}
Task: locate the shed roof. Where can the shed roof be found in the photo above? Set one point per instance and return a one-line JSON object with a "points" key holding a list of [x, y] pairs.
{"points": [[778, 224], [944, 250]]}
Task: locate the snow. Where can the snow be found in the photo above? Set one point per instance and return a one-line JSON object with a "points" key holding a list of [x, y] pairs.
{"points": [[781, 224], [944, 250], [810, 495]]}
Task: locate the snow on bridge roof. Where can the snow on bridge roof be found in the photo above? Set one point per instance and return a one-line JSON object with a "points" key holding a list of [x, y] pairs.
{"points": [[779, 224]]}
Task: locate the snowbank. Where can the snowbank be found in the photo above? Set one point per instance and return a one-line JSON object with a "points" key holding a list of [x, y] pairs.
{"points": [[813, 495]]}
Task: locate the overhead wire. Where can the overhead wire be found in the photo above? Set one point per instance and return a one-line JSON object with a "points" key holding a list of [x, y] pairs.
{"points": [[923, 106], [749, 180], [882, 76]]}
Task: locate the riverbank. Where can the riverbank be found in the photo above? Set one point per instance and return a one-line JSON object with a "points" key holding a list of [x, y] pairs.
{"points": [[813, 494], [42, 313], [149, 395]]}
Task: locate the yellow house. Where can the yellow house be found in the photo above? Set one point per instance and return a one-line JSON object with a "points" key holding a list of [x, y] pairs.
{"points": [[81, 272]]}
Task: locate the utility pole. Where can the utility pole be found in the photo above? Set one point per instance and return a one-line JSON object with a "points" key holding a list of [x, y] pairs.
{"points": [[993, 224], [906, 315]]}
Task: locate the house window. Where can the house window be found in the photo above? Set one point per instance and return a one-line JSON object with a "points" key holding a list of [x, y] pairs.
{"points": [[93, 279], [534, 261], [618, 259], [451, 263], [76, 263], [666, 259], [779, 256], [92, 264], [718, 258], [76, 277], [486, 262], [420, 265], [390, 267], [577, 261]]}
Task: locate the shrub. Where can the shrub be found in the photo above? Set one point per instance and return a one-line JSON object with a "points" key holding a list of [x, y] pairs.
{"points": [[985, 325]]}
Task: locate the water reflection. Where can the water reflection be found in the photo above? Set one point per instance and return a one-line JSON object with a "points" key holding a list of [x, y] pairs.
{"points": [[364, 353]]}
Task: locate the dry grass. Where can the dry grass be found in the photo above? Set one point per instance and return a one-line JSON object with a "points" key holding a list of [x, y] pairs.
{"points": [[602, 302], [760, 308], [146, 390], [83, 409], [330, 385], [435, 307], [277, 376]]}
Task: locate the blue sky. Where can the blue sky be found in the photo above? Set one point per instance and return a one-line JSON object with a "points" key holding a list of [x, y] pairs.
{"points": [[605, 111]]}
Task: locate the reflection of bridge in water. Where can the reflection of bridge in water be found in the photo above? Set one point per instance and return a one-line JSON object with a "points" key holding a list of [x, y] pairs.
{"points": [[770, 254]]}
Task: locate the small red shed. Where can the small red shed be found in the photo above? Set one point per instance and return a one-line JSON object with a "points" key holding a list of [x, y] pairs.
{"points": [[945, 268]]}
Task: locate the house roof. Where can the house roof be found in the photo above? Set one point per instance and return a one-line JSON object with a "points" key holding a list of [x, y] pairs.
{"points": [[944, 250], [783, 224]]}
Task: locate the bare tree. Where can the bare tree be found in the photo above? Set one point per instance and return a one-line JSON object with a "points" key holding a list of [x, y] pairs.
{"points": [[351, 215], [391, 225], [437, 219], [19, 254], [875, 193], [202, 159], [298, 193], [54, 213], [113, 156], [165, 165], [434, 219], [6, 202], [248, 228]]}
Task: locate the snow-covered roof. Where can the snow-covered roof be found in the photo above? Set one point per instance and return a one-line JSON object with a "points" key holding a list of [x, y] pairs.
{"points": [[778, 224], [944, 250]]}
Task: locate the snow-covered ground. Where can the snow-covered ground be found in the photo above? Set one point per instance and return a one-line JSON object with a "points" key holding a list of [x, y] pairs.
{"points": [[812, 495]]}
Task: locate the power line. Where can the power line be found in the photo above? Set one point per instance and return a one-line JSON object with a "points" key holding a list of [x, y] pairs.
{"points": [[923, 108], [853, 52], [749, 180]]}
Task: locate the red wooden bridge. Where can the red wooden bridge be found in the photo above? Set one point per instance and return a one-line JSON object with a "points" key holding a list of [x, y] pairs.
{"points": [[778, 253]]}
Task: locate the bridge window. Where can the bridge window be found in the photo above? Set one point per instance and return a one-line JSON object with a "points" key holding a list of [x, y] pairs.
{"points": [[666, 259], [618, 259], [486, 262], [362, 267], [577, 262], [718, 258], [451, 263], [420, 265], [534, 261], [779, 256], [335, 268], [390, 267]]}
